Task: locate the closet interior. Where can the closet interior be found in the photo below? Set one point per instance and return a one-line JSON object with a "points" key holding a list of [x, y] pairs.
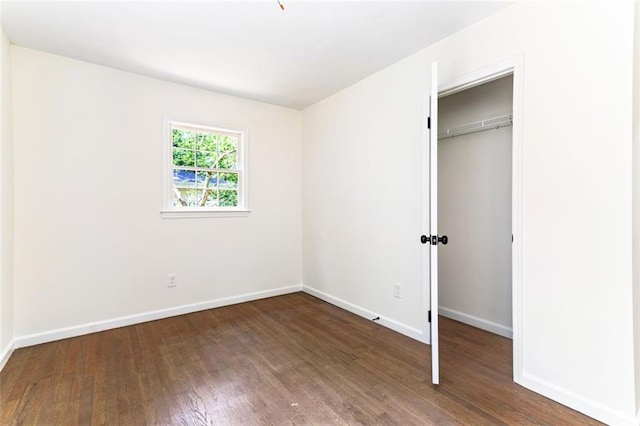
{"points": [[474, 205]]}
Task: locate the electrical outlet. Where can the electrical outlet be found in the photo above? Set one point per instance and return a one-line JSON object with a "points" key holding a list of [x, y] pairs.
{"points": [[173, 280], [397, 290]]}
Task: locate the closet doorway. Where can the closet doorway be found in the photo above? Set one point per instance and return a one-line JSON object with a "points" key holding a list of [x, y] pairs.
{"points": [[475, 205]]}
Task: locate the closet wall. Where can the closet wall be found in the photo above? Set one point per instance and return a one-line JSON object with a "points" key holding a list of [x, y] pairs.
{"points": [[474, 209]]}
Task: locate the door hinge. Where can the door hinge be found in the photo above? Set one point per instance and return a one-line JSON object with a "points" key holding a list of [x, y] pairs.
{"points": [[428, 122], [429, 316]]}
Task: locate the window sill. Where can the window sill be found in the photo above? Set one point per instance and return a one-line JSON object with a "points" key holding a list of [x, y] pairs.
{"points": [[193, 214]]}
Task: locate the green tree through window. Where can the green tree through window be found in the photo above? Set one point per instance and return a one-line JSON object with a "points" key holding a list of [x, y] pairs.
{"points": [[205, 166]]}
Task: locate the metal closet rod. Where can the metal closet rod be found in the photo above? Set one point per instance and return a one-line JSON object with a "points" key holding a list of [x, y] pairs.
{"points": [[478, 126]]}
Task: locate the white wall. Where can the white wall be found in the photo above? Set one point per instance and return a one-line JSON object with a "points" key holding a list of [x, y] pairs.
{"points": [[361, 180], [474, 209], [361, 210], [636, 202], [89, 241], [6, 202]]}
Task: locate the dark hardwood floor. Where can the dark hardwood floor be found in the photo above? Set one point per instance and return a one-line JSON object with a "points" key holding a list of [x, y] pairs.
{"points": [[285, 360]]}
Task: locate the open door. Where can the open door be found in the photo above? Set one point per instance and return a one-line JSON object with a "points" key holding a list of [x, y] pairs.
{"points": [[433, 239]]}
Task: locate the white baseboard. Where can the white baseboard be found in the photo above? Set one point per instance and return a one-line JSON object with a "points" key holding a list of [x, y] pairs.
{"points": [[572, 400], [79, 330], [6, 354], [401, 328], [481, 323]]}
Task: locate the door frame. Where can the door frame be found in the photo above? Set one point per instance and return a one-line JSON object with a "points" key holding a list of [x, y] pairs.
{"points": [[513, 66]]}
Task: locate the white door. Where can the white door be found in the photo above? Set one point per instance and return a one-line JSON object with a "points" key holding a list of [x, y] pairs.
{"points": [[433, 223]]}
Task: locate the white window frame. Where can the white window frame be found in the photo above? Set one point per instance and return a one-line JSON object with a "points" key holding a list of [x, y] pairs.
{"points": [[168, 210]]}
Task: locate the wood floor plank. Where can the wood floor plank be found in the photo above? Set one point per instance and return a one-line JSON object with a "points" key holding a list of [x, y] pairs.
{"points": [[285, 360]]}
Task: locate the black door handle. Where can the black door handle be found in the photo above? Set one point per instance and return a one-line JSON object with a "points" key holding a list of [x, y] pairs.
{"points": [[434, 240]]}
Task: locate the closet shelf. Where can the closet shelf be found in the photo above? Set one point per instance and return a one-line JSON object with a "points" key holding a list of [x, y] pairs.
{"points": [[478, 126]]}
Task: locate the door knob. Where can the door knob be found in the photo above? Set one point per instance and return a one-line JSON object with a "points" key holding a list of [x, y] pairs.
{"points": [[434, 240]]}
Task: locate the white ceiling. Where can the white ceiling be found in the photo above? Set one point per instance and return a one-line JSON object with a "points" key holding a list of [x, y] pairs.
{"points": [[292, 58]]}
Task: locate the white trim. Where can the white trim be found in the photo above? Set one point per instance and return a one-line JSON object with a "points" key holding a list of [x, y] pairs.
{"points": [[572, 400], [478, 322], [191, 214], [6, 354], [517, 139], [79, 330], [401, 328], [478, 78], [492, 72]]}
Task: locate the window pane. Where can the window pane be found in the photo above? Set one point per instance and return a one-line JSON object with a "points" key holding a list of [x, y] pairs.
{"points": [[185, 197], [183, 157], [184, 179], [184, 188], [228, 160], [177, 199], [183, 138], [228, 198], [206, 160], [212, 198], [200, 140], [228, 144], [228, 181], [207, 179], [206, 142]]}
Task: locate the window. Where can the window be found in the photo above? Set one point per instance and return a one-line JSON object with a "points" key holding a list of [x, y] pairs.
{"points": [[205, 170]]}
